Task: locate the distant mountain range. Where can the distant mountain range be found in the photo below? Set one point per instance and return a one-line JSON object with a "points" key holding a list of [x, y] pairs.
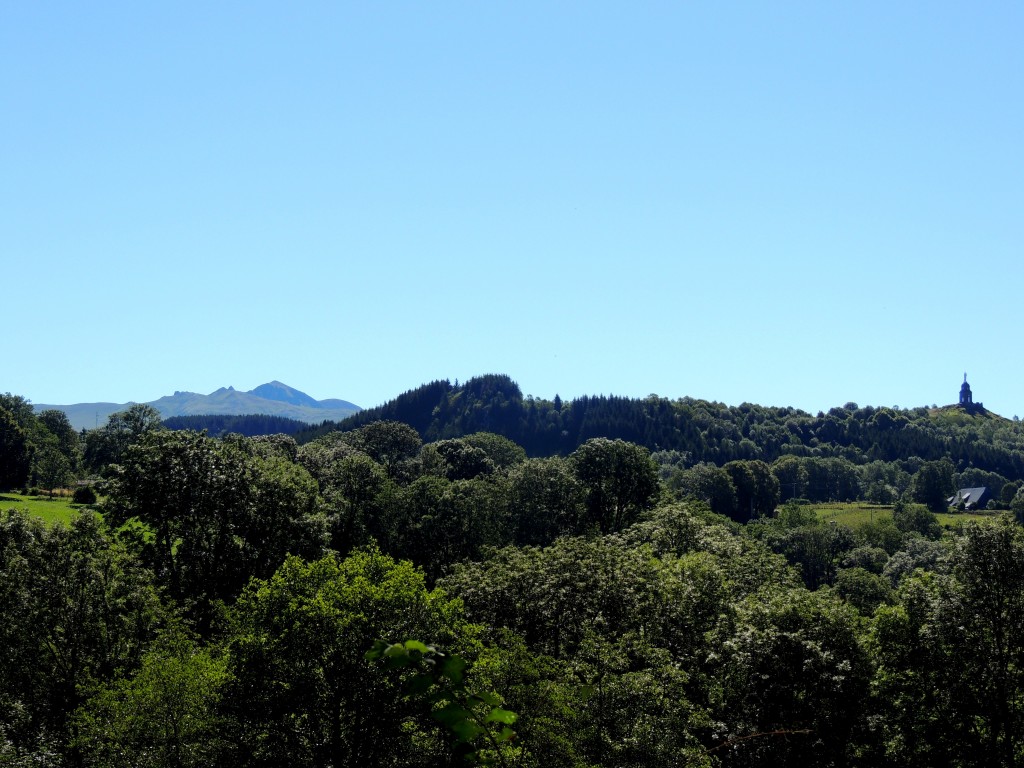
{"points": [[273, 399]]}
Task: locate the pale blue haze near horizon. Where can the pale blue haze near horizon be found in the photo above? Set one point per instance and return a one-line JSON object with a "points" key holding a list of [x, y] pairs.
{"points": [[795, 204]]}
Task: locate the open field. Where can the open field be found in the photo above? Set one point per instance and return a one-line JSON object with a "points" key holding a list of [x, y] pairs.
{"points": [[856, 513], [51, 510]]}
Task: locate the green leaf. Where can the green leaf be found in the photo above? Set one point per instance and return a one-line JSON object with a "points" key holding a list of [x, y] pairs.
{"points": [[466, 730], [451, 713], [416, 645], [376, 651], [420, 684], [499, 715], [507, 734], [396, 657], [487, 697], [453, 668]]}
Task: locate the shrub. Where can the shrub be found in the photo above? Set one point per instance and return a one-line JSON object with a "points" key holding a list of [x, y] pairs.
{"points": [[916, 517], [84, 495]]}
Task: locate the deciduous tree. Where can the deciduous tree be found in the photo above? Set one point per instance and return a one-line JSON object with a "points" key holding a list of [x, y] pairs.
{"points": [[620, 481], [545, 500], [165, 715], [218, 514], [107, 445], [302, 693], [933, 484], [707, 483], [14, 452], [391, 444], [77, 610]]}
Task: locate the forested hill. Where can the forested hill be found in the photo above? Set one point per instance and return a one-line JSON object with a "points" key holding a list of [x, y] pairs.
{"points": [[249, 425], [699, 429]]}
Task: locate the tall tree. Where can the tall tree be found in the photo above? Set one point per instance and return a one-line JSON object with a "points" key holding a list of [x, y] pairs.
{"points": [[502, 451], [64, 435], [302, 692], [545, 500], [794, 680], [455, 459], [15, 457], [163, 716], [354, 498], [757, 489], [77, 610], [19, 407], [445, 521], [391, 444], [108, 444], [218, 513], [50, 467], [933, 484], [951, 657], [707, 483], [620, 481]]}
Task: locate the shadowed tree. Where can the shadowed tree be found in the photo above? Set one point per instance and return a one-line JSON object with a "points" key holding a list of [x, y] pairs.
{"points": [[77, 609], [455, 459], [14, 452], [218, 512], [108, 444], [707, 483], [391, 444], [620, 481], [933, 484], [757, 489], [163, 716], [545, 500], [301, 692], [950, 656]]}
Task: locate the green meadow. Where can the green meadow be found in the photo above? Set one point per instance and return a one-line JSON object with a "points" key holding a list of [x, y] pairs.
{"points": [[51, 509], [857, 513]]}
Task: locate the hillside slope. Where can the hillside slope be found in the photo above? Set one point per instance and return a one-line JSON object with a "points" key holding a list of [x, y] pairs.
{"points": [[700, 430]]}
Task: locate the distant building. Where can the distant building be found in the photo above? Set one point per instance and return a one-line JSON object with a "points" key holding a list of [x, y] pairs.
{"points": [[967, 399], [970, 498]]}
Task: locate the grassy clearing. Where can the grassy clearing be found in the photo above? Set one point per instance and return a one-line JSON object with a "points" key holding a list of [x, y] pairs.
{"points": [[50, 510], [956, 519], [857, 513], [853, 513]]}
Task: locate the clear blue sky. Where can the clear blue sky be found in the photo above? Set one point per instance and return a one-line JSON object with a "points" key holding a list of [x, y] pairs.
{"points": [[782, 203]]}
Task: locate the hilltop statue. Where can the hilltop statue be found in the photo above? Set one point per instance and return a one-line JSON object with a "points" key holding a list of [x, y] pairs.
{"points": [[965, 393], [967, 399]]}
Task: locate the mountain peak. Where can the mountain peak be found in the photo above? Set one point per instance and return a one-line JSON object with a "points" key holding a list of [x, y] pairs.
{"points": [[273, 399], [282, 393]]}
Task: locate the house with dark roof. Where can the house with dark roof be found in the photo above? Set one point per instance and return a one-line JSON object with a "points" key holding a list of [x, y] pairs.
{"points": [[970, 498]]}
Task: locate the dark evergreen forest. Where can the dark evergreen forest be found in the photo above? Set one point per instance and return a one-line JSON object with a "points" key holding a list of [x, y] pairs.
{"points": [[880, 445], [465, 575], [249, 425], [706, 431]]}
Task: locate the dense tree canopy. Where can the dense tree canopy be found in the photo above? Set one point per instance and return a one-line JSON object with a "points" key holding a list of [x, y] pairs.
{"points": [[301, 690], [614, 606], [709, 431], [619, 481], [108, 444], [15, 457], [218, 512], [36, 449]]}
